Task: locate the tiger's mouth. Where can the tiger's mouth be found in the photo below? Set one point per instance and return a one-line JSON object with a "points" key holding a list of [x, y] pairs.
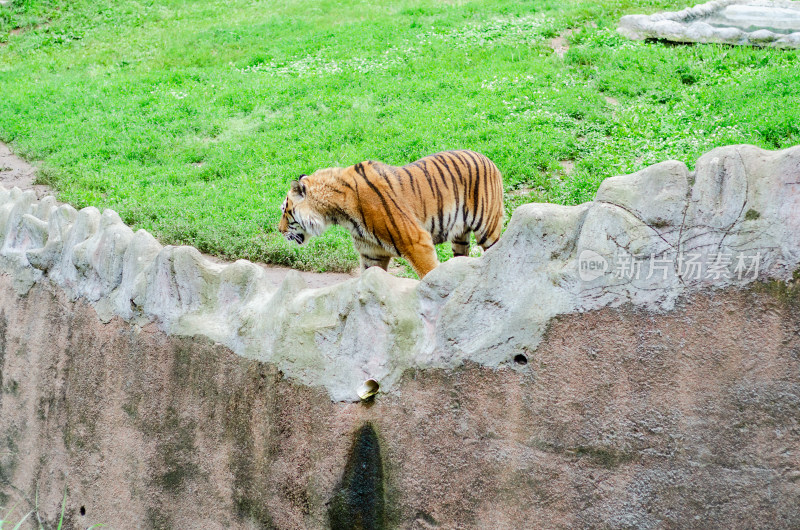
{"points": [[297, 238]]}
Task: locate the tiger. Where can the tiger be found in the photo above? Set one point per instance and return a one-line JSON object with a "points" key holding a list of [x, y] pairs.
{"points": [[401, 211]]}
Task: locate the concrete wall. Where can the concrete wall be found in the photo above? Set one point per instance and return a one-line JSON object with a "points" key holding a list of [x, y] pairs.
{"points": [[620, 419]]}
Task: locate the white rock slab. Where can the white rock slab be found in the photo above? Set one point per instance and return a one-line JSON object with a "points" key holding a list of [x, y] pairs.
{"points": [[774, 23]]}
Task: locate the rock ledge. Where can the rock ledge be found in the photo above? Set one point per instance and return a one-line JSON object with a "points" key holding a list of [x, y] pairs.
{"points": [[647, 239]]}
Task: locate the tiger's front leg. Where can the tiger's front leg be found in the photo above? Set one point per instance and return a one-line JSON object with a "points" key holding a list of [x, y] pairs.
{"points": [[421, 255], [373, 256], [368, 261]]}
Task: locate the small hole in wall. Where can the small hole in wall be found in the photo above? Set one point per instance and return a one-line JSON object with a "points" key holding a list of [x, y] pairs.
{"points": [[520, 359], [368, 389], [83, 510]]}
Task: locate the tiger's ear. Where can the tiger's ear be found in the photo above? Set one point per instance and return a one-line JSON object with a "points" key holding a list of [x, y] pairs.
{"points": [[298, 191]]}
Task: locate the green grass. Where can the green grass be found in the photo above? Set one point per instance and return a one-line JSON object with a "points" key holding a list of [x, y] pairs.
{"points": [[6, 520], [20, 520], [191, 117]]}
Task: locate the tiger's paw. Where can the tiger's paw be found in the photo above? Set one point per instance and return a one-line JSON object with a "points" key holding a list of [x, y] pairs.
{"points": [[476, 252]]}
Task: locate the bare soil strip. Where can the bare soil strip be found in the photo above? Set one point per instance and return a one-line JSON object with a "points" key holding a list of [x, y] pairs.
{"points": [[14, 171]]}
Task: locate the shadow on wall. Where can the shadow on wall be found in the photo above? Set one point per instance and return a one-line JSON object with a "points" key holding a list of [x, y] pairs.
{"points": [[358, 501]]}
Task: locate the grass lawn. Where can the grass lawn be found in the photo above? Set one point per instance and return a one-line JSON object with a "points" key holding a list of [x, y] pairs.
{"points": [[190, 118]]}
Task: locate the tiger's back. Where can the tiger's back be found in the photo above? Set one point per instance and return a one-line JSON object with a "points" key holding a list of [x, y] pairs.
{"points": [[403, 211], [456, 192]]}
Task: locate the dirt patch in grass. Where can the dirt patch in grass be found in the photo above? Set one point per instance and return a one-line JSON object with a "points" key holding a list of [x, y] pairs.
{"points": [[15, 31], [524, 191], [275, 274], [567, 166], [559, 44], [16, 172]]}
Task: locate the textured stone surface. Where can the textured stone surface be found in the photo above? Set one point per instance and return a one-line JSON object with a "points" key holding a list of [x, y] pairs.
{"points": [[740, 210], [774, 23], [621, 418]]}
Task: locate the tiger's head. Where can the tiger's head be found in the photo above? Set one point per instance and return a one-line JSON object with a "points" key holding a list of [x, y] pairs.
{"points": [[299, 218]]}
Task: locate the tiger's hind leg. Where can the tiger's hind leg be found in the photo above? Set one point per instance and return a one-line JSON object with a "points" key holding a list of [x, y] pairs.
{"points": [[461, 245]]}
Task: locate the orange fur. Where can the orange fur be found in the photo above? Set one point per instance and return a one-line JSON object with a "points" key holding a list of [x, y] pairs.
{"points": [[401, 211]]}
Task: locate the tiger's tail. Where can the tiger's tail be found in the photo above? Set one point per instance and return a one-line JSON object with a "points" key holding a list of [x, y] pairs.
{"points": [[488, 234], [490, 230]]}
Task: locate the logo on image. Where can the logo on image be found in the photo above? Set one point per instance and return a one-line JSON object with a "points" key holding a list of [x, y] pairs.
{"points": [[591, 265]]}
